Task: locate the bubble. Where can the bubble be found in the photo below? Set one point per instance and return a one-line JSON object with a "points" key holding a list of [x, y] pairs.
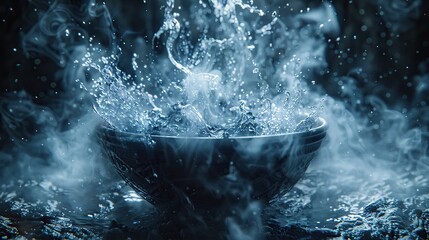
{"points": [[274, 14]]}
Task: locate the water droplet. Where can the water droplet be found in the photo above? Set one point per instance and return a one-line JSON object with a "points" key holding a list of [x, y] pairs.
{"points": [[274, 14]]}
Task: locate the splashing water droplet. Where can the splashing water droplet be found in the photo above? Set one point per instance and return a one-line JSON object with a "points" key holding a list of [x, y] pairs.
{"points": [[203, 89], [274, 14]]}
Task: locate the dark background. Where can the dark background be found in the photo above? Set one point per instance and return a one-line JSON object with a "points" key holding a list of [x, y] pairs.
{"points": [[379, 58], [389, 59], [391, 48]]}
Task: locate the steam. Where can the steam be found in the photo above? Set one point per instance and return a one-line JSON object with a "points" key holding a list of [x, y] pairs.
{"points": [[264, 72]]}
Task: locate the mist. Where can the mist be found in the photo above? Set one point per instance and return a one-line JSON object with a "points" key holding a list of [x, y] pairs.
{"points": [[362, 66]]}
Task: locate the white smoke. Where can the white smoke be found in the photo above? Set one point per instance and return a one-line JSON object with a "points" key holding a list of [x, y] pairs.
{"points": [[366, 138]]}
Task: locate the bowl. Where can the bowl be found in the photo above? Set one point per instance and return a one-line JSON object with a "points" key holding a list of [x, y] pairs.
{"points": [[208, 171]]}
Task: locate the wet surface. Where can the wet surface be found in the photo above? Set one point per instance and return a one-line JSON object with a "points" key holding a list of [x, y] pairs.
{"points": [[325, 204], [367, 60]]}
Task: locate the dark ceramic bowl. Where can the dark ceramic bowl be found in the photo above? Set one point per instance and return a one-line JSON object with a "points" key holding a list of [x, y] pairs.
{"points": [[211, 171]]}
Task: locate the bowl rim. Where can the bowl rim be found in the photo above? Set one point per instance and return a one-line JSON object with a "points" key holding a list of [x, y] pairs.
{"points": [[322, 127]]}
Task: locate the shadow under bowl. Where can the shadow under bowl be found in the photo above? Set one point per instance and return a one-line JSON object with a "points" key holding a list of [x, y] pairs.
{"points": [[211, 171]]}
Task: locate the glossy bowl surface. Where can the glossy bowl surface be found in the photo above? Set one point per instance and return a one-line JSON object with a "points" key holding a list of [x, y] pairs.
{"points": [[209, 171]]}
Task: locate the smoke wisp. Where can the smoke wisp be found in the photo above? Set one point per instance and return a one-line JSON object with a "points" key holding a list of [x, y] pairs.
{"points": [[220, 69]]}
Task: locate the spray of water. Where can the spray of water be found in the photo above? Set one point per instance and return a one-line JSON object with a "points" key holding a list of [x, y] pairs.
{"points": [[211, 84], [227, 69]]}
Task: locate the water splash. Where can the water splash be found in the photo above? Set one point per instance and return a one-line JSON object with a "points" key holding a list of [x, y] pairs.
{"points": [[366, 136], [218, 91]]}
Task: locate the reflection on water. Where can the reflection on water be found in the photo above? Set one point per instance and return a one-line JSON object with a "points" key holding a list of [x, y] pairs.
{"points": [[326, 203]]}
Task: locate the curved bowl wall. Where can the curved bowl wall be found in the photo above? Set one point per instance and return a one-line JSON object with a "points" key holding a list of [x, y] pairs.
{"points": [[210, 171]]}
